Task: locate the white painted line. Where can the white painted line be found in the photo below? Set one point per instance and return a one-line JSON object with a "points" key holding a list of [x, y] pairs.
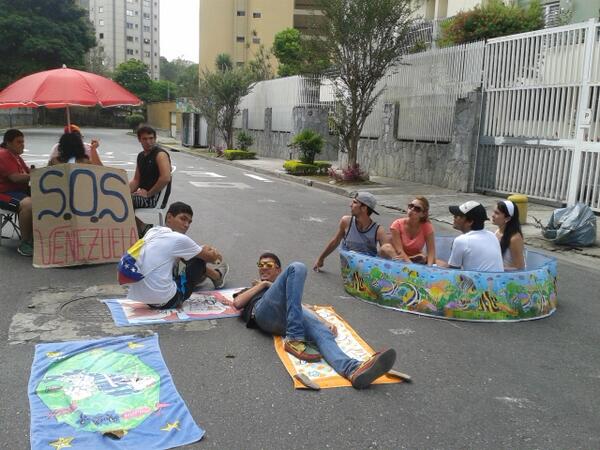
{"points": [[256, 177], [313, 219], [199, 174], [219, 184]]}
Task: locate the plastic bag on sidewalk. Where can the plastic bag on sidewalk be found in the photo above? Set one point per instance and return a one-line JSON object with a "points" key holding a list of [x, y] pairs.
{"points": [[574, 226]]}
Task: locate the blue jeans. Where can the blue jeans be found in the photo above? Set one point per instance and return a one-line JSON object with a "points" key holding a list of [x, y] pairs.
{"points": [[280, 312]]}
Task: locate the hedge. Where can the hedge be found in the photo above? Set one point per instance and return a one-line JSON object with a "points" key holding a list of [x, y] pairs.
{"points": [[238, 154], [296, 167]]}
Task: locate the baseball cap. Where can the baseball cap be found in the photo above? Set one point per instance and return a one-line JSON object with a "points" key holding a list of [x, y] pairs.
{"points": [[471, 210], [367, 199], [72, 129]]}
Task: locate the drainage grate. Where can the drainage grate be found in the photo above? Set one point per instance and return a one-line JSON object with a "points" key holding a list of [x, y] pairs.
{"points": [[87, 309]]}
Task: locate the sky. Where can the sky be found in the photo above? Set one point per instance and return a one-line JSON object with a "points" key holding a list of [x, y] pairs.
{"points": [[179, 23]]}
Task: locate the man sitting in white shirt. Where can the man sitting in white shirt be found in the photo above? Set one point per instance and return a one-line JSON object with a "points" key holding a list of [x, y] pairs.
{"points": [[163, 285], [476, 249]]}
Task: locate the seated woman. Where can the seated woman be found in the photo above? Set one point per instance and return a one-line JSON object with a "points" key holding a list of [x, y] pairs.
{"points": [[410, 234], [70, 150], [506, 217], [91, 149]]}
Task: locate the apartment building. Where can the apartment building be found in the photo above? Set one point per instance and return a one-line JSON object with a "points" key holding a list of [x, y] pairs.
{"points": [[240, 27], [127, 29]]}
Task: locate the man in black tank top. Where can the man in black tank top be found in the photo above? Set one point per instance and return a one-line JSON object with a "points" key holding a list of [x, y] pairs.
{"points": [[152, 174]]}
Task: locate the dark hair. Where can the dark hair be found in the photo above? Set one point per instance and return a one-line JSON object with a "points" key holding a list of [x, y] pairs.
{"points": [[177, 208], [477, 224], [10, 135], [145, 129], [269, 255], [70, 146], [512, 227]]}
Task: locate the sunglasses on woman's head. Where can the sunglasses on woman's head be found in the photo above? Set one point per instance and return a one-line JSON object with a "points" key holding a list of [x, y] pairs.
{"points": [[266, 264], [417, 208]]}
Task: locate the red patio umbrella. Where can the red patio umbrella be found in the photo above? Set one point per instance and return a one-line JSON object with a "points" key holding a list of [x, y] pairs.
{"points": [[61, 88]]}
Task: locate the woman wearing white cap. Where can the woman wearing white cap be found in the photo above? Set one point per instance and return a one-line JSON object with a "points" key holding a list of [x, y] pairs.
{"points": [[506, 217]]}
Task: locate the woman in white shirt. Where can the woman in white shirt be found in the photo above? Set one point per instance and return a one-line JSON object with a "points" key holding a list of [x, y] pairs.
{"points": [[506, 217]]}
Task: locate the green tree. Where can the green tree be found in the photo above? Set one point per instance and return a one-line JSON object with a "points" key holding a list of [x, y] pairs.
{"points": [[299, 54], [260, 66], [220, 93], [364, 40], [39, 35], [493, 19], [161, 90], [188, 80], [223, 62], [133, 76]]}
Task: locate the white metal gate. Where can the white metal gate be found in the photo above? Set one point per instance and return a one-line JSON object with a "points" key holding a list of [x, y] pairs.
{"points": [[540, 132]]}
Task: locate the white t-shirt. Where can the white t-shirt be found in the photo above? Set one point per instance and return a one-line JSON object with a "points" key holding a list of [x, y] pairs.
{"points": [[477, 250], [54, 151], [162, 249]]}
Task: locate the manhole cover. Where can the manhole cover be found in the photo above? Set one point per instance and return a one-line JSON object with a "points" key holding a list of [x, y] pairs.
{"points": [[87, 309]]}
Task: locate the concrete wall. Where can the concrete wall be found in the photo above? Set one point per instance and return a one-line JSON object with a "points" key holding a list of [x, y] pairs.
{"points": [[274, 144], [449, 165], [159, 115]]}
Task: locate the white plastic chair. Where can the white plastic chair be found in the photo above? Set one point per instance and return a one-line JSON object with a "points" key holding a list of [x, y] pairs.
{"points": [[9, 217], [161, 204]]}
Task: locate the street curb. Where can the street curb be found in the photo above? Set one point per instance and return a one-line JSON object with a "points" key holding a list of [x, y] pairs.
{"points": [[284, 176]]}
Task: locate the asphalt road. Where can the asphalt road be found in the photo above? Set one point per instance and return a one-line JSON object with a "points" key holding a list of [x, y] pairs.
{"points": [[479, 386]]}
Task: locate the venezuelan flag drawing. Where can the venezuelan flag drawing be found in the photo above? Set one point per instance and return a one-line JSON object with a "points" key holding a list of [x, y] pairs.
{"points": [[128, 270]]}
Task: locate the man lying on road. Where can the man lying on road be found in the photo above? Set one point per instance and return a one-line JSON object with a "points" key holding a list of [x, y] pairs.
{"points": [[274, 304]]}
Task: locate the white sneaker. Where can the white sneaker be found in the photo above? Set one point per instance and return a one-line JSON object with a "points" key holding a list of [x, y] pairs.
{"points": [[223, 269]]}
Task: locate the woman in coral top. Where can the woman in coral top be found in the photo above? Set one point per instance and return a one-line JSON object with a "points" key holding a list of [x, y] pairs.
{"points": [[410, 234]]}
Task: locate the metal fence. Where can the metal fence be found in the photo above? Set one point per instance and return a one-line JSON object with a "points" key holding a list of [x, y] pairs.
{"points": [[426, 86], [541, 126]]}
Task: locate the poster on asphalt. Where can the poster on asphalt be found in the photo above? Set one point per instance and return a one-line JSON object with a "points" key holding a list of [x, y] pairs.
{"points": [[82, 214]]}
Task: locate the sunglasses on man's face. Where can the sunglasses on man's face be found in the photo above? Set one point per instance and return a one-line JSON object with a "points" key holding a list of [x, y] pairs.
{"points": [[266, 264], [417, 208]]}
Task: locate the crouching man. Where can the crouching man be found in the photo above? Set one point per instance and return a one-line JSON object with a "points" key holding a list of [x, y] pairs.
{"points": [[164, 285], [274, 304]]}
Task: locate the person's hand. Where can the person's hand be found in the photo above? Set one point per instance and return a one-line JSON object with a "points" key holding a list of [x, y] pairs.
{"points": [[95, 144], [404, 258], [142, 192], [318, 264], [266, 283]]}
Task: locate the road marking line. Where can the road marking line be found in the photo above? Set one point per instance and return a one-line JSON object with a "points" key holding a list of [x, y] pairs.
{"points": [[200, 174], [219, 184], [256, 177]]}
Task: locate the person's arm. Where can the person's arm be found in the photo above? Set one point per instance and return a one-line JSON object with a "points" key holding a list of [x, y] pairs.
{"points": [[19, 178], [134, 183], [164, 169], [517, 250], [430, 241], [240, 300], [94, 157], [382, 236], [397, 244], [209, 254], [333, 243]]}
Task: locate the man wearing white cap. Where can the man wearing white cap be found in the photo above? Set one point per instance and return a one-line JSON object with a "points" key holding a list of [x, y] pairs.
{"points": [[357, 232], [476, 249]]}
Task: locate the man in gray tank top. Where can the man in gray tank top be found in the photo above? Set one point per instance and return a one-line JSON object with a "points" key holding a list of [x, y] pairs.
{"points": [[357, 232]]}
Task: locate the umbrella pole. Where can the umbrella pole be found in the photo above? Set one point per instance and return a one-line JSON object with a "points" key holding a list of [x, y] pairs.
{"points": [[68, 119]]}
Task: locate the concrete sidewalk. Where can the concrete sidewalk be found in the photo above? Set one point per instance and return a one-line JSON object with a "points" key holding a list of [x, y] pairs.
{"points": [[395, 194]]}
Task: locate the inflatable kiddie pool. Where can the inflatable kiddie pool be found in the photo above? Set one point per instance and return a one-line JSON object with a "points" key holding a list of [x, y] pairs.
{"points": [[451, 293]]}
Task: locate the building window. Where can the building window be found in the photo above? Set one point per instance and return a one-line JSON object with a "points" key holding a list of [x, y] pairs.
{"points": [[129, 1], [147, 54], [129, 51], [101, 22], [146, 16], [100, 9], [129, 26], [129, 12], [239, 64], [155, 54], [241, 13], [240, 39], [256, 15], [146, 41], [101, 49], [147, 3], [100, 35], [129, 38], [147, 28], [256, 40]]}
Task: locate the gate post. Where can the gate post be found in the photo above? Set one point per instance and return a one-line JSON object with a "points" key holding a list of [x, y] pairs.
{"points": [[582, 124]]}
